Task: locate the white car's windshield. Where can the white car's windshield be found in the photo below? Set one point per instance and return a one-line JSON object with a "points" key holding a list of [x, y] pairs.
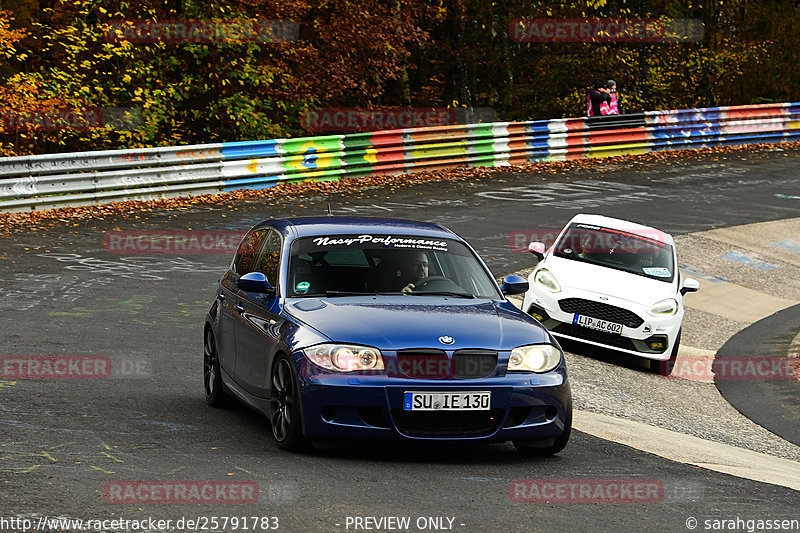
{"points": [[618, 249], [344, 265]]}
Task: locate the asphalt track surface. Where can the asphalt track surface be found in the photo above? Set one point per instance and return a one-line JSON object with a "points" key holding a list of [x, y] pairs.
{"points": [[63, 440], [772, 404]]}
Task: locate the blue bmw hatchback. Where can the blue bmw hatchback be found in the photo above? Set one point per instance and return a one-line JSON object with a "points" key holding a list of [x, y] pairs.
{"points": [[381, 329]]}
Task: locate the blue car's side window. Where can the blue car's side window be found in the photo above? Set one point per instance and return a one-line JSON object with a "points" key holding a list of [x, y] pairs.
{"points": [[269, 260], [245, 261]]}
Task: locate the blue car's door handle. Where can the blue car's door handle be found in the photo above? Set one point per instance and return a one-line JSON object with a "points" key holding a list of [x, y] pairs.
{"points": [[239, 307]]}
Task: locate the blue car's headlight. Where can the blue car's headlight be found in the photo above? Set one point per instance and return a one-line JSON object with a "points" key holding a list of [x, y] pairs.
{"points": [[345, 357], [534, 358]]}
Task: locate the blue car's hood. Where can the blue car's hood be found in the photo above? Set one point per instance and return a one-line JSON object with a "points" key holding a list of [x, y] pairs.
{"points": [[400, 322]]}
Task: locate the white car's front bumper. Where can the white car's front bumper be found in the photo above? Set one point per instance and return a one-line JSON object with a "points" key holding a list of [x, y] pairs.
{"points": [[641, 332]]}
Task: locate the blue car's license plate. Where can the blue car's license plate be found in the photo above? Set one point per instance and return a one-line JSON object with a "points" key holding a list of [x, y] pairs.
{"points": [[447, 401]]}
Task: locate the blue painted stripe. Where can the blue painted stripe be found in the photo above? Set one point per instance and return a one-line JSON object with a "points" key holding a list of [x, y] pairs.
{"points": [[250, 149], [536, 143], [241, 183], [788, 244], [689, 270], [253, 187], [677, 132], [538, 126], [750, 260]]}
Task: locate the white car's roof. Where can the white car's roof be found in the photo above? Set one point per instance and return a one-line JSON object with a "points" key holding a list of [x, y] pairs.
{"points": [[624, 225]]}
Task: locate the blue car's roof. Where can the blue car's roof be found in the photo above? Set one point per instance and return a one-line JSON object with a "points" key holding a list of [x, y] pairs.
{"points": [[333, 225]]}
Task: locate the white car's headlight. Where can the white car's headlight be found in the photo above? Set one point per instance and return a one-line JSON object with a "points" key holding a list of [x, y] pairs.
{"points": [[544, 278], [345, 357], [664, 307], [534, 358]]}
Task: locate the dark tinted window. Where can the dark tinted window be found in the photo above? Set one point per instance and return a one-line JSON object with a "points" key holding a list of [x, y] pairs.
{"points": [[248, 252], [270, 258], [640, 254], [384, 264]]}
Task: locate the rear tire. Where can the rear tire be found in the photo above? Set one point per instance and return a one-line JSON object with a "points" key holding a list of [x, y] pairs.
{"points": [[664, 368], [287, 426], [212, 377], [534, 448]]}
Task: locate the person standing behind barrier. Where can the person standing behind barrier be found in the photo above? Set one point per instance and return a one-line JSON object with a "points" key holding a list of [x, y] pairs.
{"points": [[598, 100], [613, 106]]}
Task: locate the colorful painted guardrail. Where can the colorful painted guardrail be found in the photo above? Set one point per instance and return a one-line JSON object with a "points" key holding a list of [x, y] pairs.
{"points": [[72, 179]]}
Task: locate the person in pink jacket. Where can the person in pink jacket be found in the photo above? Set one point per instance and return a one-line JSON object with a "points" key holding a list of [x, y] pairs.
{"points": [[598, 100], [613, 107]]}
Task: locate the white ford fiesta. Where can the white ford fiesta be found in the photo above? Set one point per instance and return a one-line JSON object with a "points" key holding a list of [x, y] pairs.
{"points": [[611, 283]]}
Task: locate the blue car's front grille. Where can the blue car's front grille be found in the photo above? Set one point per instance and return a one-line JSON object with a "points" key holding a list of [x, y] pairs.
{"points": [[447, 423], [473, 364], [424, 363], [435, 364]]}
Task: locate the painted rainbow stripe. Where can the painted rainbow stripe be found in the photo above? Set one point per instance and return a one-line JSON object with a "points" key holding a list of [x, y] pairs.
{"points": [[260, 164]]}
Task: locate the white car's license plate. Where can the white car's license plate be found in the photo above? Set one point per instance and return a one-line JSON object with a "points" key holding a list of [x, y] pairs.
{"points": [[447, 401], [596, 323]]}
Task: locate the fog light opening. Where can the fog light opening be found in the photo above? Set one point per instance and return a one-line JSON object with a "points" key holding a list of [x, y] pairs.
{"points": [[329, 414]]}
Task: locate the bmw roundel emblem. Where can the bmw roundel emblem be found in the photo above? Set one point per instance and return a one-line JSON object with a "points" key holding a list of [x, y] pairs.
{"points": [[446, 339]]}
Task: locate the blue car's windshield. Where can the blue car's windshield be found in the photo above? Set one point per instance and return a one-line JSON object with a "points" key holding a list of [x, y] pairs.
{"points": [[621, 250], [344, 265]]}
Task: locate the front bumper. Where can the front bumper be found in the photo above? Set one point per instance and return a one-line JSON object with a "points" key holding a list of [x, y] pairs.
{"points": [[654, 338], [523, 406]]}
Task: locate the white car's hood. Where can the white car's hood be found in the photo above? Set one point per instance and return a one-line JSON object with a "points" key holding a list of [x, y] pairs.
{"points": [[572, 274]]}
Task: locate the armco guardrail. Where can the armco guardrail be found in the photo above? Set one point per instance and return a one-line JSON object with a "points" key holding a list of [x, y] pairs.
{"points": [[73, 179]]}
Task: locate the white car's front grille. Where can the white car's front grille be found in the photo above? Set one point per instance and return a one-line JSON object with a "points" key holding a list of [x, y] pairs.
{"points": [[601, 311]]}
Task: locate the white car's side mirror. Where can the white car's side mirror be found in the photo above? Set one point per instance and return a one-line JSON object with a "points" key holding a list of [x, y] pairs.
{"points": [[537, 249], [689, 285]]}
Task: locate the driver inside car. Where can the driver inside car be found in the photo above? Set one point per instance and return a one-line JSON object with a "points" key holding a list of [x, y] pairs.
{"points": [[413, 268]]}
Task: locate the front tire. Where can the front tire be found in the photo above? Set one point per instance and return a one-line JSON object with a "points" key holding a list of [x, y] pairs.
{"points": [[287, 426], [535, 448], [212, 377]]}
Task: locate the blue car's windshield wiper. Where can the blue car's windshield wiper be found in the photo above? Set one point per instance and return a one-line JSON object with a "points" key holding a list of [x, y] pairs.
{"points": [[442, 293]]}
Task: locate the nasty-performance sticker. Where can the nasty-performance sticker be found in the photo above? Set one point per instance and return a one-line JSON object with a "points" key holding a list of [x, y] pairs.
{"points": [[393, 241]]}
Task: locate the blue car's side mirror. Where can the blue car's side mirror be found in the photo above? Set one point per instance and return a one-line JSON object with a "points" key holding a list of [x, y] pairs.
{"points": [[255, 282], [514, 285]]}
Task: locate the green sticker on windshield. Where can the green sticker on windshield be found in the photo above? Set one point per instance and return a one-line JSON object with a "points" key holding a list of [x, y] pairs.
{"points": [[302, 287], [657, 272]]}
